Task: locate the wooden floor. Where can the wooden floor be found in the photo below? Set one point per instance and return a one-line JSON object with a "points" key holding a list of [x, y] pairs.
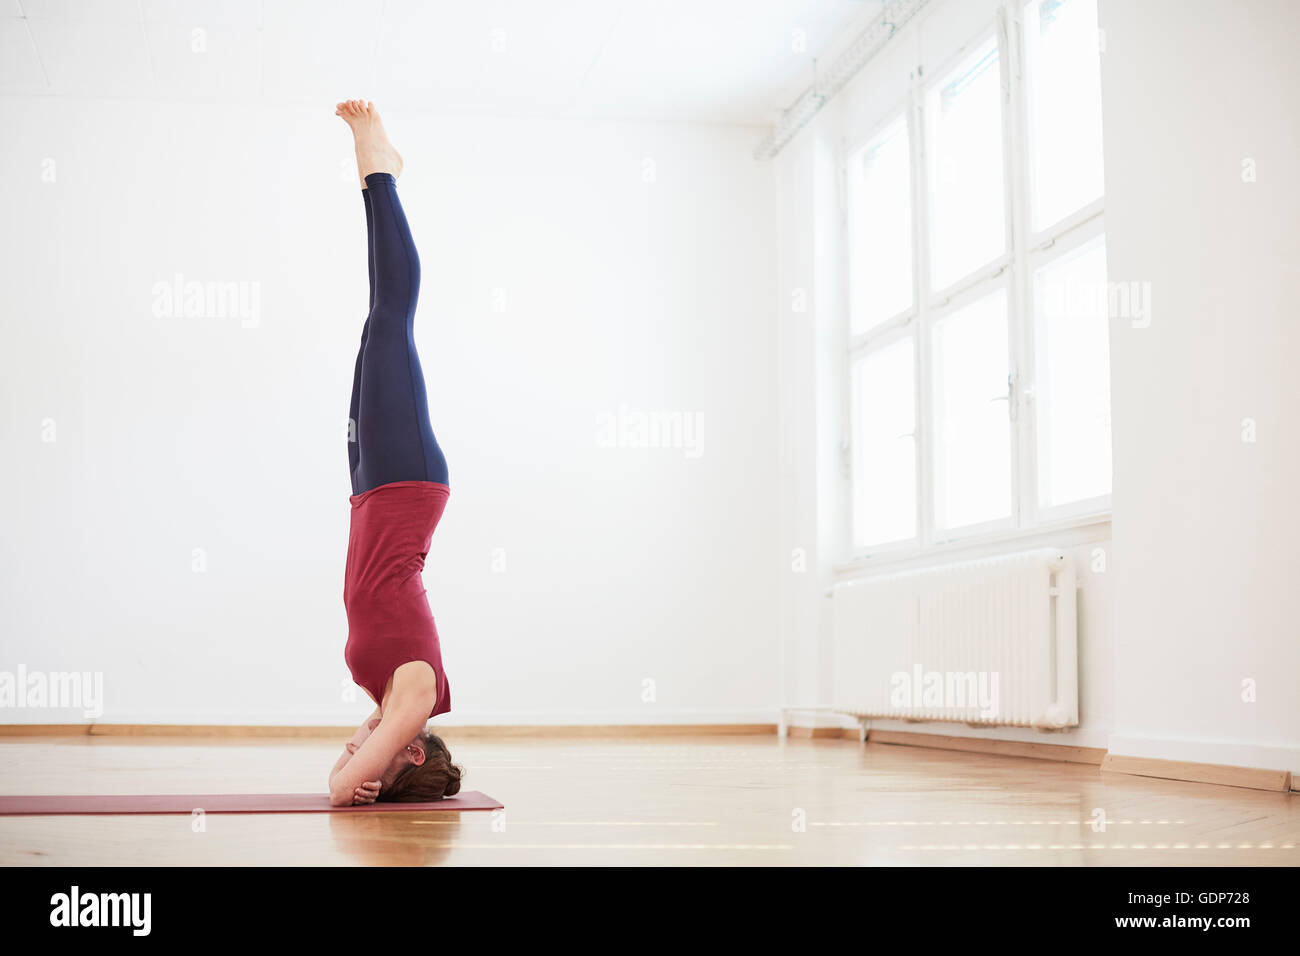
{"points": [[708, 800]]}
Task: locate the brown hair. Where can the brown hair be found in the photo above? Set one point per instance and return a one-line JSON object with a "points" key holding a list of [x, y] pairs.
{"points": [[432, 780]]}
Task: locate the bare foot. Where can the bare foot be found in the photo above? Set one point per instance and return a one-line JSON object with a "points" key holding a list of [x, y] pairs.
{"points": [[375, 154]]}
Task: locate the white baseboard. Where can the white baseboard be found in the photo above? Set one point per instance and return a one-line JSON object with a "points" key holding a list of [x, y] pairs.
{"points": [[1076, 737], [649, 715], [1228, 753], [818, 718]]}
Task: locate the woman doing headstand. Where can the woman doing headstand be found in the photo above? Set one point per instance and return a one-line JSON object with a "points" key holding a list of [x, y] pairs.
{"points": [[399, 490]]}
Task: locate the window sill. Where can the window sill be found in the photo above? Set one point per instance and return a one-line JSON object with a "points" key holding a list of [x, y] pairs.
{"points": [[1070, 533]]}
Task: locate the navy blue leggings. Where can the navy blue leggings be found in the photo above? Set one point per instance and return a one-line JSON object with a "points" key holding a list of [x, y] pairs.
{"points": [[390, 438]]}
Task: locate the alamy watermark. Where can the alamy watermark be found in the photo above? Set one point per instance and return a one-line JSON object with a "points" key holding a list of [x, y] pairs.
{"points": [[1117, 300], [53, 690], [77, 908], [946, 690], [631, 428], [211, 299]]}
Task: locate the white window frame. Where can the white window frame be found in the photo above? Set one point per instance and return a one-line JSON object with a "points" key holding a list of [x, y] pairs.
{"points": [[863, 341], [1027, 251], [883, 336]]}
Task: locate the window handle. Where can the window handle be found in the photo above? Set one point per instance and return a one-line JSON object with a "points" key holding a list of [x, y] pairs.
{"points": [[1011, 406]]}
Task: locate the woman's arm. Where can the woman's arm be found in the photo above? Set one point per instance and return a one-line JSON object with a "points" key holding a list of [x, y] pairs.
{"points": [[412, 698], [353, 745]]}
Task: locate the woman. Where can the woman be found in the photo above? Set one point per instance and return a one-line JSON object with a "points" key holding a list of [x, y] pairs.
{"points": [[399, 489]]}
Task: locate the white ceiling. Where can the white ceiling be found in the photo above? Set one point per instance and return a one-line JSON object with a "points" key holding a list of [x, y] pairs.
{"points": [[725, 61]]}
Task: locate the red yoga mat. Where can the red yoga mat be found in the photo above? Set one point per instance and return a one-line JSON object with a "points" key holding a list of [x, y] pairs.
{"points": [[36, 805]]}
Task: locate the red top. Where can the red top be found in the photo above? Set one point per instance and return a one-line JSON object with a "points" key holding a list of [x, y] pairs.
{"points": [[389, 621]]}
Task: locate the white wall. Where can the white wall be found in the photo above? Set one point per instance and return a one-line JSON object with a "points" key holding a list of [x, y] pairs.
{"points": [[1205, 523], [622, 564], [808, 311]]}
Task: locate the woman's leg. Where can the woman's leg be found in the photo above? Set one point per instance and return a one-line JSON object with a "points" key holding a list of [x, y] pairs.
{"points": [[354, 412], [395, 441], [354, 409], [370, 244]]}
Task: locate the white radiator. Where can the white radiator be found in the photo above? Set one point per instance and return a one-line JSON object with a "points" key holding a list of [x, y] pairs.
{"points": [[985, 642]]}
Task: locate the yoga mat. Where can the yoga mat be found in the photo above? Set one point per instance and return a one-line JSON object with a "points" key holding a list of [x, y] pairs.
{"points": [[36, 805]]}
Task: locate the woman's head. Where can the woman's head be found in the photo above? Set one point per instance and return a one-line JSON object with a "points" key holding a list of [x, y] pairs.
{"points": [[424, 772]]}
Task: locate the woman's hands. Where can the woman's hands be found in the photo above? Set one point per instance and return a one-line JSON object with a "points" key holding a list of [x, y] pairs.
{"points": [[349, 751], [378, 756], [368, 792]]}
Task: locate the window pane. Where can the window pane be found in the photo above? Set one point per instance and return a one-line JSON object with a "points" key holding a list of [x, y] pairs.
{"points": [[881, 186], [1061, 52], [964, 126], [884, 446], [972, 427], [1073, 372]]}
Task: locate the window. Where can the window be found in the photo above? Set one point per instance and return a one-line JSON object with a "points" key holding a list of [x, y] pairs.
{"points": [[882, 228], [964, 139], [980, 379], [972, 437], [884, 444], [1064, 93], [1073, 362]]}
